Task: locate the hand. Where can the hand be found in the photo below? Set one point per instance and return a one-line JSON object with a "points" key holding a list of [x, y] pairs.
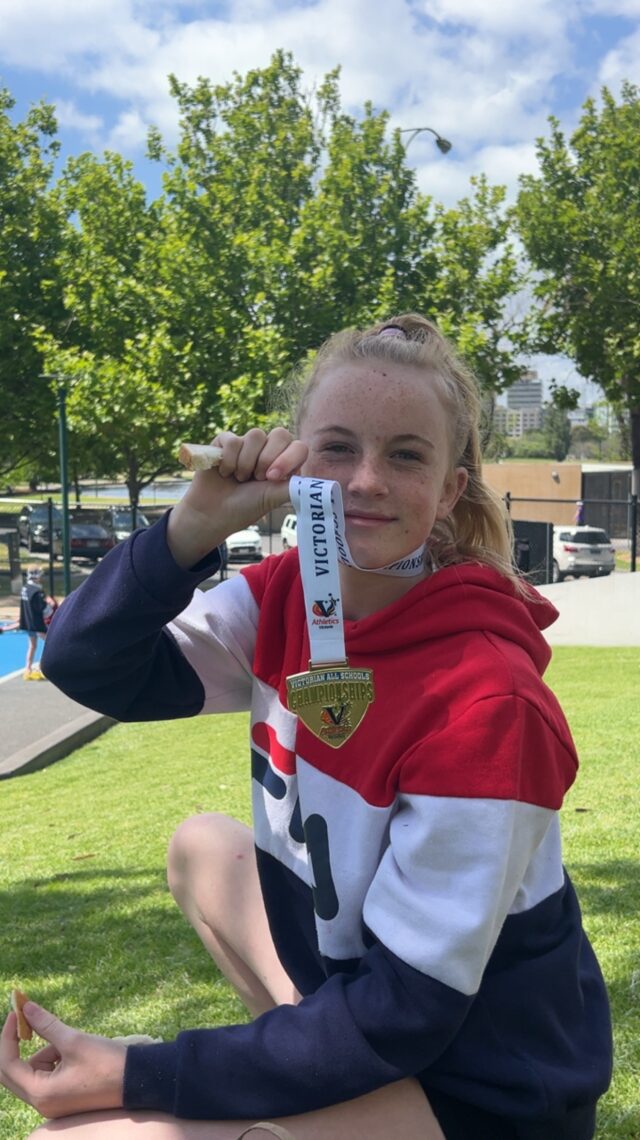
{"points": [[252, 479], [75, 1072]]}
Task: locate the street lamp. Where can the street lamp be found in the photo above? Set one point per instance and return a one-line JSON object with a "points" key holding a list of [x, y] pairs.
{"points": [[443, 145], [61, 401]]}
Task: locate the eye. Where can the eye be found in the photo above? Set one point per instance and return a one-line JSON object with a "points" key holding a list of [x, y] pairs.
{"points": [[337, 448], [408, 456]]}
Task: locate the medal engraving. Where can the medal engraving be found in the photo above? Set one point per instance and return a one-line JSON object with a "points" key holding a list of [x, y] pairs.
{"points": [[331, 700]]}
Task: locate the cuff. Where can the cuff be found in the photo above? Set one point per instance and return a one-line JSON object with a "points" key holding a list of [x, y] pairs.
{"points": [[150, 1077]]}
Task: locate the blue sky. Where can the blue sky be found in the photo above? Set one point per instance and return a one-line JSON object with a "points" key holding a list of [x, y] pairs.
{"points": [[483, 73]]}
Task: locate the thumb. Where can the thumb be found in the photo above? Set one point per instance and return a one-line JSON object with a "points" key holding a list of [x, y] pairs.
{"points": [[46, 1025]]}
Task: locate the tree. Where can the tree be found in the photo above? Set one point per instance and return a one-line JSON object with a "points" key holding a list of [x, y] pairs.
{"points": [[30, 292], [580, 224], [287, 219], [130, 396], [556, 432]]}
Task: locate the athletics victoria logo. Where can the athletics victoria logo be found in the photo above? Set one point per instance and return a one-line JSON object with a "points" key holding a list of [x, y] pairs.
{"points": [[325, 607]]}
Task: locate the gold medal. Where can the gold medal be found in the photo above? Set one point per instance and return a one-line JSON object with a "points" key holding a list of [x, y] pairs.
{"points": [[331, 699]]}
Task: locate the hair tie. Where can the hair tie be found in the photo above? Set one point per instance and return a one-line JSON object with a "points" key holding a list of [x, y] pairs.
{"points": [[392, 330]]}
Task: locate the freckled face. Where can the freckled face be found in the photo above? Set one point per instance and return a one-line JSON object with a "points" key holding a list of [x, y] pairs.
{"points": [[381, 431]]}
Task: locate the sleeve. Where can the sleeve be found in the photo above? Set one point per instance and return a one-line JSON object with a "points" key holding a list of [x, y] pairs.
{"points": [[453, 870], [137, 641]]}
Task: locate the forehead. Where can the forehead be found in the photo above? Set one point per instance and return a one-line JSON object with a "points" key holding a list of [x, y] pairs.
{"points": [[375, 391]]}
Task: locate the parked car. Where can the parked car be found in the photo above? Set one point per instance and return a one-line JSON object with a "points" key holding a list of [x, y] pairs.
{"points": [[88, 535], [288, 532], [581, 551], [120, 521], [33, 526], [245, 545]]}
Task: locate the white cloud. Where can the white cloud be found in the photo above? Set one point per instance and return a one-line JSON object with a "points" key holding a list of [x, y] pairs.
{"points": [[504, 18], [56, 35], [481, 72], [128, 134], [621, 63], [69, 116]]}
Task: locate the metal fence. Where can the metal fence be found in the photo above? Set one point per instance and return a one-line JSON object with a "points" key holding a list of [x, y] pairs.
{"points": [[598, 513]]}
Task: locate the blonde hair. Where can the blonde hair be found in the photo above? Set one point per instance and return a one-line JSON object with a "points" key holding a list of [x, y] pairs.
{"points": [[478, 529]]}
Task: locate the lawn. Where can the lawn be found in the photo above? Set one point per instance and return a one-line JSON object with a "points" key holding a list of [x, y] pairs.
{"points": [[88, 929]]}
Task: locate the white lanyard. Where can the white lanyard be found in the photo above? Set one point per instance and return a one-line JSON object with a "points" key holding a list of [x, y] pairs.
{"points": [[321, 544]]}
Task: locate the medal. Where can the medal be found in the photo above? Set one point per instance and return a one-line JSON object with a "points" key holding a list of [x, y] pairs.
{"points": [[331, 698]]}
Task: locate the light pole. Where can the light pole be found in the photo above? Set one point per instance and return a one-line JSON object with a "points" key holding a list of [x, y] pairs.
{"points": [[61, 402], [443, 145]]}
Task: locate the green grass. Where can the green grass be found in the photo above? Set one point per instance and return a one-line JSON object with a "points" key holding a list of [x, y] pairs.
{"points": [[87, 926]]}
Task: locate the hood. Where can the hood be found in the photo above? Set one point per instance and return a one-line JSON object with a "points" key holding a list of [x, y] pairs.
{"points": [[455, 600]]}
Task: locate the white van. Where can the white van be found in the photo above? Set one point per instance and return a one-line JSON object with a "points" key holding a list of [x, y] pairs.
{"points": [[288, 532]]}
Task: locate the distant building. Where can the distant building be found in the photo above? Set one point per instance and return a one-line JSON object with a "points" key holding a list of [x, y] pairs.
{"points": [[525, 392], [580, 417], [514, 422]]}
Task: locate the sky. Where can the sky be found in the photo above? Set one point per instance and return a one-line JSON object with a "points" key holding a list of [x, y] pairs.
{"points": [[484, 74]]}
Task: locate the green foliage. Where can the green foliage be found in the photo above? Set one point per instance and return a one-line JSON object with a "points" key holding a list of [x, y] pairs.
{"points": [[282, 219], [580, 224], [530, 445], [556, 432], [300, 219], [130, 392], [30, 293]]}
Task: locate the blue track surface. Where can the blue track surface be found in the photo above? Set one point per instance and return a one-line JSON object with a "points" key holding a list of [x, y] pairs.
{"points": [[13, 651]]}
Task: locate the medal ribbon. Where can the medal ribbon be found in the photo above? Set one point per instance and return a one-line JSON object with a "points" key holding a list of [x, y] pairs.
{"points": [[321, 544]]}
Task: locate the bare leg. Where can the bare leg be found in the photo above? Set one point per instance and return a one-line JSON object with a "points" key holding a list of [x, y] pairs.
{"points": [[213, 877], [400, 1110], [31, 649]]}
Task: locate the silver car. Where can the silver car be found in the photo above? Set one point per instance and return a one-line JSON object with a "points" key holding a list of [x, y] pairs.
{"points": [[581, 552]]}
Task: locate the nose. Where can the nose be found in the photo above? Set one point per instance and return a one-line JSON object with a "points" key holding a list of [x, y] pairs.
{"points": [[367, 476]]}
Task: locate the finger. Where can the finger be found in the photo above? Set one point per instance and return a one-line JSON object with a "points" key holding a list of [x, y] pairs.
{"points": [[289, 462], [277, 441], [10, 1063], [230, 444], [47, 1026], [252, 445], [9, 1044], [45, 1058]]}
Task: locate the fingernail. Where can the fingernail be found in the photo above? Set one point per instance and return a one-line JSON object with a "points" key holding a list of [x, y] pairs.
{"points": [[31, 1007], [274, 473]]}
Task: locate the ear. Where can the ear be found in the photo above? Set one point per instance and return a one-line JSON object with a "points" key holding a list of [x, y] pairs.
{"points": [[455, 485]]}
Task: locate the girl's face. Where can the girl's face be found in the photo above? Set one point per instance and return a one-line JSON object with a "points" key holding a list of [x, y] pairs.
{"points": [[381, 431]]}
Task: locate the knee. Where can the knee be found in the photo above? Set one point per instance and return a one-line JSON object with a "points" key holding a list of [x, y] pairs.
{"points": [[203, 841]]}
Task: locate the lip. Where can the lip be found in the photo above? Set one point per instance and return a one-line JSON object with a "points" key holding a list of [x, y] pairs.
{"points": [[361, 518]]}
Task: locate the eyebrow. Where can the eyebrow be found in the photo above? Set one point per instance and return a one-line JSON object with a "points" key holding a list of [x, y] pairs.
{"points": [[405, 438]]}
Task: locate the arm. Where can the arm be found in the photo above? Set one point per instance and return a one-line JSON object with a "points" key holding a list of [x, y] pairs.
{"points": [[109, 646]]}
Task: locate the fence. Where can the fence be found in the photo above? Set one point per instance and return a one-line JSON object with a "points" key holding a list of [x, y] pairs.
{"points": [[598, 513]]}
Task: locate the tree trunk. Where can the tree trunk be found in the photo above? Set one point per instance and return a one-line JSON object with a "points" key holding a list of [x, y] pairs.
{"points": [[635, 450], [135, 486]]}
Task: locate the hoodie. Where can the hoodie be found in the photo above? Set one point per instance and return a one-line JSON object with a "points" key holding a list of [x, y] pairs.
{"points": [[413, 877]]}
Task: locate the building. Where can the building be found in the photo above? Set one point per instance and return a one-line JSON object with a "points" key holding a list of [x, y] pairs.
{"points": [[513, 422], [525, 392]]}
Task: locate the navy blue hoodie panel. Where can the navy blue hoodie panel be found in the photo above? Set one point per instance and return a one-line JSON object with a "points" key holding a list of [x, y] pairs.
{"points": [[106, 647]]}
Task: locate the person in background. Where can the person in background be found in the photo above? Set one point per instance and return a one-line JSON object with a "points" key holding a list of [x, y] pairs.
{"points": [[33, 611]]}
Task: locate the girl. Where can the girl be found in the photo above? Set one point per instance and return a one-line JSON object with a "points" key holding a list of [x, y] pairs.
{"points": [[398, 922]]}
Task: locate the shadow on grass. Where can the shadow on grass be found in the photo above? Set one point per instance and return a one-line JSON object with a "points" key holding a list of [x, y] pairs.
{"points": [[90, 941], [610, 887]]}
